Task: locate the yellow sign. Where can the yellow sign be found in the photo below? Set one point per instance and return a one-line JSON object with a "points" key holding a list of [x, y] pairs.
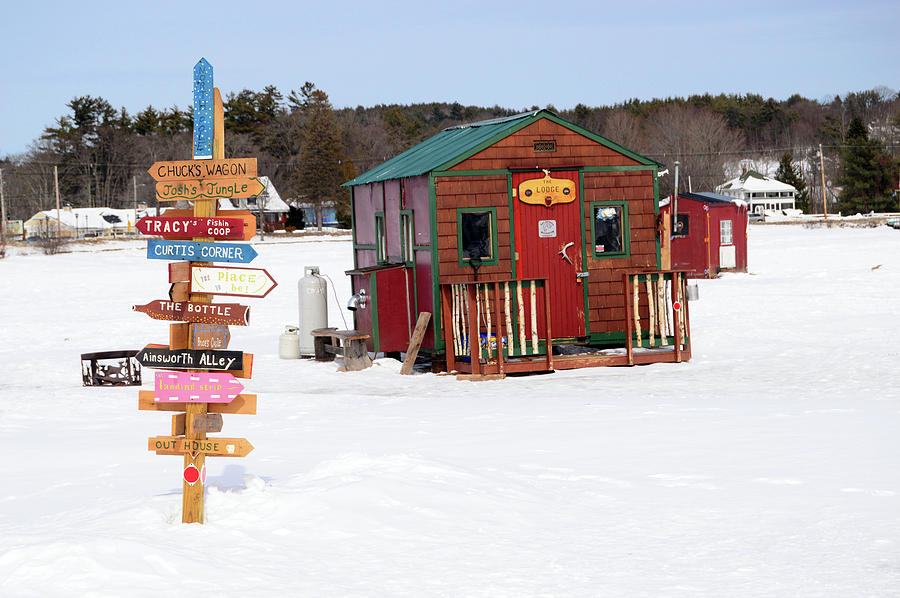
{"points": [[547, 191], [236, 188]]}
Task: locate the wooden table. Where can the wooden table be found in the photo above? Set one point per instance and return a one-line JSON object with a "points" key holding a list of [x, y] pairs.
{"points": [[329, 342]]}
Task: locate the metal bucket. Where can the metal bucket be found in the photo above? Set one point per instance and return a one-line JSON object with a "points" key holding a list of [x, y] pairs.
{"points": [[693, 292]]}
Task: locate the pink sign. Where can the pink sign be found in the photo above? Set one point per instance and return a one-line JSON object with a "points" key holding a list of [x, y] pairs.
{"points": [[194, 387]]}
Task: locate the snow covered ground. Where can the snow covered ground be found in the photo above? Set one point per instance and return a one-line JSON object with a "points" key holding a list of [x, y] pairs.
{"points": [[767, 466]]}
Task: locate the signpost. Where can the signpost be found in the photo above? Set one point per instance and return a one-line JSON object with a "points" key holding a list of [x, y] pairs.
{"points": [[236, 282], [197, 396], [190, 311], [196, 387], [153, 357], [236, 188], [171, 227], [200, 252]]}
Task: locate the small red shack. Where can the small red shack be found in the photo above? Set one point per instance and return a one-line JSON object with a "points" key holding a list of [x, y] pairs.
{"points": [[710, 236], [534, 243]]}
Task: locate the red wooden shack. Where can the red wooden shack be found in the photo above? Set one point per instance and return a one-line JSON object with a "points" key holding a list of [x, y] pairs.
{"points": [[710, 236], [534, 243]]}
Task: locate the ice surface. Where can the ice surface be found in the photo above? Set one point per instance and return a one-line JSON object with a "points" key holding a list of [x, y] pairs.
{"points": [[767, 466]]}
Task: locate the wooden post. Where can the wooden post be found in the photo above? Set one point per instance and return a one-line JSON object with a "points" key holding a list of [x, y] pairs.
{"points": [[666, 248], [650, 307], [630, 317], [547, 319], [822, 166], [56, 185], [474, 337], [521, 319], [676, 315], [509, 328], [499, 329], [636, 306], [487, 314], [134, 198], [448, 316], [534, 332], [413, 350]]}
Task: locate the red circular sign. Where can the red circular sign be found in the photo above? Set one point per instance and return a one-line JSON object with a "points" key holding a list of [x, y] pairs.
{"points": [[191, 474], [676, 306]]}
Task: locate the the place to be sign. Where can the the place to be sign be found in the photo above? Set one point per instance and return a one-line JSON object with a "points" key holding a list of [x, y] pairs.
{"points": [[200, 252], [236, 282], [193, 226], [237, 188], [195, 387], [190, 311], [217, 447], [191, 170], [190, 359]]}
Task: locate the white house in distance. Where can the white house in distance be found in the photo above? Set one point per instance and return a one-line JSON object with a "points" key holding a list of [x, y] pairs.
{"points": [[76, 223], [274, 209], [760, 192]]}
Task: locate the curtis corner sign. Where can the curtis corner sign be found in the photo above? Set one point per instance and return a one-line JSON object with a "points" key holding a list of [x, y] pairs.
{"points": [[200, 252]]}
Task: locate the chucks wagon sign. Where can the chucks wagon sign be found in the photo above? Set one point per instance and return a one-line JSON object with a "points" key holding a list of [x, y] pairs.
{"points": [[204, 384]]}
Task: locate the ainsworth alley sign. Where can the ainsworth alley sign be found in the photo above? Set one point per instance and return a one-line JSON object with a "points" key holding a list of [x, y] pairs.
{"points": [[190, 359]]}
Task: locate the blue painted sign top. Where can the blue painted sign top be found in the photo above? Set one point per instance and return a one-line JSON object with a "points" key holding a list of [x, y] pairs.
{"points": [[203, 110], [236, 253]]}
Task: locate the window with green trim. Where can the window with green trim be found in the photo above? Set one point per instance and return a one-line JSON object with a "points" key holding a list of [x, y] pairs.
{"points": [[609, 229], [380, 242], [407, 235], [476, 233]]}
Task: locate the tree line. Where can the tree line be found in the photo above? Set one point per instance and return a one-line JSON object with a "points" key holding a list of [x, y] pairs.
{"points": [[307, 147]]}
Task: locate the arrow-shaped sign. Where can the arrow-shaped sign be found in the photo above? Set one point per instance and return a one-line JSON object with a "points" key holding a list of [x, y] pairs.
{"points": [[233, 188], [174, 227], [202, 313], [192, 170], [192, 251], [195, 387], [212, 447], [189, 359], [236, 282]]}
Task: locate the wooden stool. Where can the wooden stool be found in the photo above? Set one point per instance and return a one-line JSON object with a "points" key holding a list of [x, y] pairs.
{"points": [[329, 342]]}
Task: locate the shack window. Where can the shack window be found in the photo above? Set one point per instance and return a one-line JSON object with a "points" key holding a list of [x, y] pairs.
{"points": [[477, 236], [610, 229], [380, 243], [406, 237], [725, 236]]}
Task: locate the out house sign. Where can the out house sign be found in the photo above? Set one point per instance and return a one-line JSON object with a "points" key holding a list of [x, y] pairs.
{"points": [[546, 229]]}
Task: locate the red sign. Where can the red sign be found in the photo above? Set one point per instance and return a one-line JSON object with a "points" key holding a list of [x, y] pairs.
{"points": [[196, 387], [676, 306], [203, 313], [191, 474], [174, 227]]}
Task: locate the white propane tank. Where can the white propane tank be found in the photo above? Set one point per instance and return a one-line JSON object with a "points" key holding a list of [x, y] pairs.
{"points": [[312, 290], [289, 343]]}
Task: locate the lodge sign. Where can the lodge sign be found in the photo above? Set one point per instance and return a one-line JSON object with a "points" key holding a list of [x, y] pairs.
{"points": [[190, 311], [191, 170], [236, 188], [200, 252], [547, 191], [193, 226], [190, 359]]}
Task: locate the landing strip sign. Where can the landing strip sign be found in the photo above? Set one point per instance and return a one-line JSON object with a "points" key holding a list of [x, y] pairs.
{"points": [[195, 387]]}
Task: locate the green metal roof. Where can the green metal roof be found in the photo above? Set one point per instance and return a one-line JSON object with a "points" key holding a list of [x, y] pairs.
{"points": [[454, 144]]}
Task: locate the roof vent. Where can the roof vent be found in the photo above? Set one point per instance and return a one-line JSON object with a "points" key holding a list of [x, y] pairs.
{"points": [[545, 145]]}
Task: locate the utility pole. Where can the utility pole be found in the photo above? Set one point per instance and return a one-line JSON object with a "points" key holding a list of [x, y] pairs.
{"points": [[56, 184], [134, 187], [2, 213], [822, 167]]}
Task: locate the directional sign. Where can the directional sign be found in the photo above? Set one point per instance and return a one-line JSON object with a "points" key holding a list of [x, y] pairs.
{"points": [[190, 359], [203, 109], [242, 404], [192, 226], [212, 447], [210, 336], [248, 217], [198, 423], [203, 313], [236, 188], [193, 170], [196, 387], [200, 252], [236, 282]]}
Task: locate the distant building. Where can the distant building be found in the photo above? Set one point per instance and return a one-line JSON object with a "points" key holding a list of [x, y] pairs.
{"points": [[760, 192], [274, 210], [329, 214], [77, 223]]}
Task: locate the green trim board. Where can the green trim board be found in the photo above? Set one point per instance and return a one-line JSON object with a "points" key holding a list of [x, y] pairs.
{"points": [[380, 239], [626, 230], [512, 227], [353, 228], [584, 255], [406, 242], [437, 321], [623, 168], [371, 247], [495, 251]]}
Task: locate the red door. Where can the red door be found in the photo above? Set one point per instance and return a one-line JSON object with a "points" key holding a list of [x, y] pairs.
{"points": [[549, 245]]}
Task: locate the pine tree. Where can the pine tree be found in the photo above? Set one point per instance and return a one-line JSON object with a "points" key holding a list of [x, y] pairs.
{"points": [[866, 177], [320, 173], [790, 174]]}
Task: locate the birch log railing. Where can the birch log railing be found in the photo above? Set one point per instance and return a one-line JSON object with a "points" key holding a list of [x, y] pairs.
{"points": [[655, 303], [489, 323]]}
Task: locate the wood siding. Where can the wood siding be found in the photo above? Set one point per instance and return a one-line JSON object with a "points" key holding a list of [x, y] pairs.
{"points": [[517, 150]]}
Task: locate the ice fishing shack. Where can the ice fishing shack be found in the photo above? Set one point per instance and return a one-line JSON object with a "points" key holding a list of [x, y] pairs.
{"points": [[534, 243]]}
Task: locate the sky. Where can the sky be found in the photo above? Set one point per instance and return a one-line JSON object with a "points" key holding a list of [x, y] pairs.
{"points": [[512, 54]]}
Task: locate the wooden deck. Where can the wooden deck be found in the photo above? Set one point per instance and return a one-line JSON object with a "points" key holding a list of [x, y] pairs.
{"points": [[508, 323]]}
